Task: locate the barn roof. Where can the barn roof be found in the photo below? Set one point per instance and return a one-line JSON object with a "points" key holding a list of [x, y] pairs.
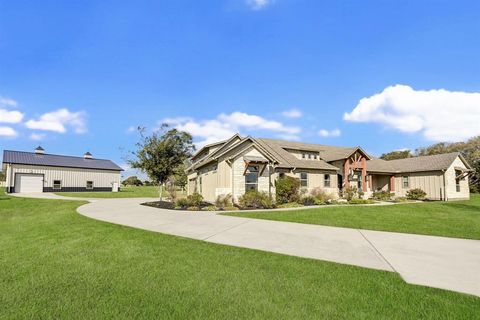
{"points": [[53, 160]]}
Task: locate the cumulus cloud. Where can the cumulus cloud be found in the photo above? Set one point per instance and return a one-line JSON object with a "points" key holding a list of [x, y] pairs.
{"points": [[59, 121], [8, 132], [226, 125], [37, 136], [329, 133], [440, 115], [7, 116], [259, 4], [8, 102], [292, 113]]}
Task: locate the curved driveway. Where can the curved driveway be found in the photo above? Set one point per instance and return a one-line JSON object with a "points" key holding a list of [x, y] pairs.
{"points": [[447, 263]]}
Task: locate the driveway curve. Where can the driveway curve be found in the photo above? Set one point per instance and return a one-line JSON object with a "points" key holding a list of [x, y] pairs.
{"points": [[446, 263]]}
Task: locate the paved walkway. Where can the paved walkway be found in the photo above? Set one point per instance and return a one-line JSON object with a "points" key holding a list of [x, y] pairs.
{"points": [[447, 263]]}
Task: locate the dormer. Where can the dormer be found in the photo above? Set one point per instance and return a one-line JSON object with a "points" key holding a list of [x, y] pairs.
{"points": [[303, 154]]}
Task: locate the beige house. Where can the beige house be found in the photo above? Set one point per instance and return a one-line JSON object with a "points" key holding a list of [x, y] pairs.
{"points": [[240, 163]]}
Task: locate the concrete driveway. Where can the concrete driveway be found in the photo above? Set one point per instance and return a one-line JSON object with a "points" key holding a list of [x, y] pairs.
{"points": [[447, 263]]}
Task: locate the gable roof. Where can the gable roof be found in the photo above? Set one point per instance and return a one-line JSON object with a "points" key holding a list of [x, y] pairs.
{"points": [[52, 160], [288, 160], [436, 162]]}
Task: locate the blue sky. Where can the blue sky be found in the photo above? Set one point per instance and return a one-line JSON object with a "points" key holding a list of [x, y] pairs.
{"points": [[76, 75]]}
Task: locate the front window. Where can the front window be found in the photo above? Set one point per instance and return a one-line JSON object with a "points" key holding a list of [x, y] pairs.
{"points": [[405, 182], [457, 180], [251, 178], [326, 182], [309, 156], [90, 185], [304, 179], [57, 184], [303, 156]]}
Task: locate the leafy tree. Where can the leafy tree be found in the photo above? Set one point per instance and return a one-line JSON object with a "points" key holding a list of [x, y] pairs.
{"points": [[132, 181], [160, 154], [2, 176], [181, 178], [396, 155]]}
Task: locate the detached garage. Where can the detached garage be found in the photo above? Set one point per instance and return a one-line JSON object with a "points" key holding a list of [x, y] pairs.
{"points": [[33, 172]]}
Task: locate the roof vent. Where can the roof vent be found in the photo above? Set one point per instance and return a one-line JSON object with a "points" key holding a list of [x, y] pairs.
{"points": [[39, 150], [87, 155]]}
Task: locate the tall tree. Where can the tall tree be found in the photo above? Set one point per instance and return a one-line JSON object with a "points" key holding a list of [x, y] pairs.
{"points": [[394, 155], [160, 154]]}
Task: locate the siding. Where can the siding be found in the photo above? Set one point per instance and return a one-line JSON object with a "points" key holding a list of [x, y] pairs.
{"points": [[451, 187], [316, 179], [239, 179], [70, 177], [430, 182]]}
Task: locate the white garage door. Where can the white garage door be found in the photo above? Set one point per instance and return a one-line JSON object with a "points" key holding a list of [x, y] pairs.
{"points": [[28, 182]]}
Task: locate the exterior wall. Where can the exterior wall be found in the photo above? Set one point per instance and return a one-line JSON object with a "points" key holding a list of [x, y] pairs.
{"points": [[430, 182], [207, 182], [316, 179], [73, 179], [451, 189], [238, 168], [380, 182]]}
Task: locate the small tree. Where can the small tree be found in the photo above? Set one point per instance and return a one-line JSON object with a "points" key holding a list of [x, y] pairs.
{"points": [[132, 181], [160, 154], [2, 176]]}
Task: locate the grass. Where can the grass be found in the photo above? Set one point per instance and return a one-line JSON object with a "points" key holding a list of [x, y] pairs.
{"points": [[125, 192], [56, 263], [449, 219]]}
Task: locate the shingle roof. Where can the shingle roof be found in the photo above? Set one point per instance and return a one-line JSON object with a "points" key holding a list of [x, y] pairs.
{"points": [[436, 162], [30, 158], [287, 160]]}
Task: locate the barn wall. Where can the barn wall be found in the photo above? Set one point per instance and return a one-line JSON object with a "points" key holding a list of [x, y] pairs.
{"points": [[73, 179]]}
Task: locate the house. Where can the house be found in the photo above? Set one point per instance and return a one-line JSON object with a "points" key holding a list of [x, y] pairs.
{"points": [[240, 163], [41, 172]]}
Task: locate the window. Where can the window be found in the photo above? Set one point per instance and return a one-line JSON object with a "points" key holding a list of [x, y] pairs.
{"points": [[315, 156], [303, 179], [57, 184], [405, 181], [303, 156], [326, 181], [457, 180], [309, 156], [90, 185], [251, 178], [200, 185], [282, 175]]}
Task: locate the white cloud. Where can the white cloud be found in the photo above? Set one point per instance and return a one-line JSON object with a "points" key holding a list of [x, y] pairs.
{"points": [[7, 116], [37, 136], [8, 132], [259, 4], [59, 120], [8, 102], [131, 129], [292, 113], [440, 115], [331, 133], [226, 125]]}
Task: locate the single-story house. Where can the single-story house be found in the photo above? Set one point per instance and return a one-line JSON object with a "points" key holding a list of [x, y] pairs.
{"points": [[41, 172], [238, 164]]}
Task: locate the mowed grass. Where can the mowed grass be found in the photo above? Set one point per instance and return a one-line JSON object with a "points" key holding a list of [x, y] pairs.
{"points": [[449, 219], [58, 264], [125, 192]]}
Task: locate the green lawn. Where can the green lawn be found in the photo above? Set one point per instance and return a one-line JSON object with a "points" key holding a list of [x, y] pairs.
{"points": [[450, 219], [125, 192], [58, 264]]}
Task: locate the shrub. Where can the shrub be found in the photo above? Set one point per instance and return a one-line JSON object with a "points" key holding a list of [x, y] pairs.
{"points": [[359, 201], [255, 200], [416, 194], [195, 200], [400, 199], [473, 188], [308, 200], [223, 201], [321, 196], [287, 189], [209, 208], [349, 192], [182, 203], [382, 195]]}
